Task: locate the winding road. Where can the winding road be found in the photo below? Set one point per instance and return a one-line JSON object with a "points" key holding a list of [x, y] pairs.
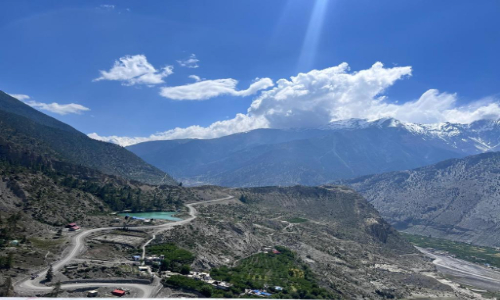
{"points": [[78, 244]]}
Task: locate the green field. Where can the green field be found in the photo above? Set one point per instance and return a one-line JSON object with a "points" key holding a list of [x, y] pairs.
{"points": [[267, 269], [472, 253]]}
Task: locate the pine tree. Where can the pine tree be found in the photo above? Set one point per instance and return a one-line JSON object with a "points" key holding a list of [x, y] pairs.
{"points": [[50, 274], [10, 261]]}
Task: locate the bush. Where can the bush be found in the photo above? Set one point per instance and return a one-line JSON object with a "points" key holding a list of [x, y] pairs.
{"points": [[206, 291], [175, 258], [186, 283], [185, 269]]}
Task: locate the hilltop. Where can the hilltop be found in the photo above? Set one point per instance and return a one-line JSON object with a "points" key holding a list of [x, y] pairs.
{"points": [[26, 129]]}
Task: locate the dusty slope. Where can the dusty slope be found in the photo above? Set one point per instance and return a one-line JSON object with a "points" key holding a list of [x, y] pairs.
{"points": [[352, 251]]}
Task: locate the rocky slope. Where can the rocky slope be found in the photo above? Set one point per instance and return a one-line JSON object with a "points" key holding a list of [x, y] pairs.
{"points": [[456, 199], [38, 196], [32, 130], [342, 149], [352, 251]]}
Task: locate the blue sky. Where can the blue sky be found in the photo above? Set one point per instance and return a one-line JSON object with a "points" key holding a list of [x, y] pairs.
{"points": [[53, 52]]}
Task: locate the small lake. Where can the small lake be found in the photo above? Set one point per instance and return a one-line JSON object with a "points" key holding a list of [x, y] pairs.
{"points": [[157, 215]]}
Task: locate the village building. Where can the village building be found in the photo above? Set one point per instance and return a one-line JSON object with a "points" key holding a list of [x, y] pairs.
{"points": [[74, 228], [92, 294], [118, 292]]}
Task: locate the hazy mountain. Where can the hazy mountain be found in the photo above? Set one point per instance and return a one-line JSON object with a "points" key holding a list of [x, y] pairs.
{"points": [[342, 149], [456, 199], [27, 129]]}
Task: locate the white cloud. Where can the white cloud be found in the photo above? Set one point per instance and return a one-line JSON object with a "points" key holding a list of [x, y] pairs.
{"points": [[206, 89], [21, 97], [240, 123], [321, 96], [136, 69], [190, 62], [61, 109], [195, 77], [107, 6]]}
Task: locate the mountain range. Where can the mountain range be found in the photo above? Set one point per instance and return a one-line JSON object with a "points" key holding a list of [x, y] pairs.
{"points": [[455, 199], [26, 130], [313, 156]]}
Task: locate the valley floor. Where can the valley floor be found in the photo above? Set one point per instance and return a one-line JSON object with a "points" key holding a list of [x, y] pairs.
{"points": [[473, 276]]}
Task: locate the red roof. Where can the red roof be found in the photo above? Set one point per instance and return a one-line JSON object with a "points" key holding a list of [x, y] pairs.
{"points": [[74, 227], [276, 251], [118, 292], [72, 224]]}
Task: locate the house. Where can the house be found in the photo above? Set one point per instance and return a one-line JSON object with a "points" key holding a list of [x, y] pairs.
{"points": [[70, 225], [259, 293], [222, 285], [74, 228], [276, 251], [93, 293], [118, 292], [278, 288], [116, 220], [143, 268]]}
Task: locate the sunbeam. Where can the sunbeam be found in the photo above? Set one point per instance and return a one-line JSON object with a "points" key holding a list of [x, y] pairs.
{"points": [[312, 37]]}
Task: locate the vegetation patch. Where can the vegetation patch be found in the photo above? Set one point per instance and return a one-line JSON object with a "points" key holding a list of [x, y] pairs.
{"points": [[175, 259], [282, 274], [186, 283], [472, 253], [297, 220]]}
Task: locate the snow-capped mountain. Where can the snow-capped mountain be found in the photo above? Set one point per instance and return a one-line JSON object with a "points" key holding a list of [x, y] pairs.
{"points": [[474, 138], [312, 156]]}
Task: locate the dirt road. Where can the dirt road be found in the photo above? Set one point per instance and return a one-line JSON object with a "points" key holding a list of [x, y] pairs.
{"points": [[77, 245]]}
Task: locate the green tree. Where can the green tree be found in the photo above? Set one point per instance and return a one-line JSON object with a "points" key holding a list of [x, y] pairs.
{"points": [[10, 261], [50, 274], [206, 291], [185, 270]]}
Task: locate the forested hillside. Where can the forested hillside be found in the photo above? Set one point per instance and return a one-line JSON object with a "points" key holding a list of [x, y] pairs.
{"points": [[24, 128]]}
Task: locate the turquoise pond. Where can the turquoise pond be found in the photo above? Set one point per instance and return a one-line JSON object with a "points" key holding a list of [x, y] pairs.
{"points": [[158, 215]]}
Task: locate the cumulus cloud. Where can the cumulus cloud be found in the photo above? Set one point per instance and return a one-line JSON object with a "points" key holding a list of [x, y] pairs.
{"points": [[202, 90], [240, 123], [61, 109], [321, 96], [136, 69], [190, 62]]}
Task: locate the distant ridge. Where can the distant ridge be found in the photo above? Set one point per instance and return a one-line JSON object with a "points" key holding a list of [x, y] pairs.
{"points": [[313, 156]]}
